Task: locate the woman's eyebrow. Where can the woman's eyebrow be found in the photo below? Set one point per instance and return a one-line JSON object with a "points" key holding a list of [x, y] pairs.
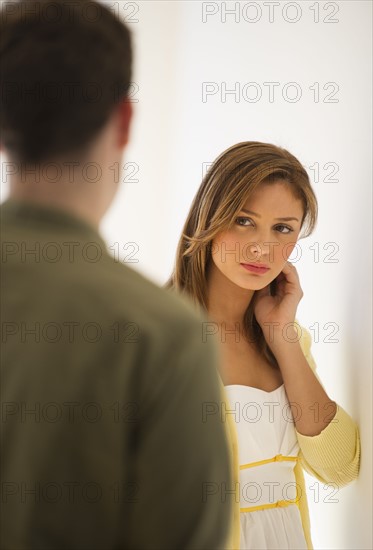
{"points": [[278, 219]]}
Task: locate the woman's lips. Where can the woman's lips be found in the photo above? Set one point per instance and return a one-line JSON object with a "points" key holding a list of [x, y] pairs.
{"points": [[255, 269]]}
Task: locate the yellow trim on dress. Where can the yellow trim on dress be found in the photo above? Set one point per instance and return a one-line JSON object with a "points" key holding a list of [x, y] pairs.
{"points": [[279, 503]]}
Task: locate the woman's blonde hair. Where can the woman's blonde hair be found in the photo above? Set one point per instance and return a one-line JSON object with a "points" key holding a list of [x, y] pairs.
{"points": [[228, 184]]}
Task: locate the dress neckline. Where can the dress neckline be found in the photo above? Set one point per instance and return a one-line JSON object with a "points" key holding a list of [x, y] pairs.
{"points": [[252, 388]]}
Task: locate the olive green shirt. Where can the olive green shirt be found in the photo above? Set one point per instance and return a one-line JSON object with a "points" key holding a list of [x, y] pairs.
{"points": [[111, 432]]}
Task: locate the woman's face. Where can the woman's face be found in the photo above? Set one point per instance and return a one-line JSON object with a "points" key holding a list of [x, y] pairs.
{"points": [[259, 231]]}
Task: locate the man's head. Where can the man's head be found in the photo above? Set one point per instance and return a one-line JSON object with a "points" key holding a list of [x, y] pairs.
{"points": [[65, 74]]}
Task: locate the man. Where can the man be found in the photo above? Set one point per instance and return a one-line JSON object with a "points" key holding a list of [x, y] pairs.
{"points": [[105, 377]]}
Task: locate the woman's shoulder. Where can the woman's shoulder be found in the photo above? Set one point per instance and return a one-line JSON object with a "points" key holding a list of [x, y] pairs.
{"points": [[305, 341]]}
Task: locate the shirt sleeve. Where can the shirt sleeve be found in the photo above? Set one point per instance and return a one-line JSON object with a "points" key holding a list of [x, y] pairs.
{"points": [[333, 456], [182, 465]]}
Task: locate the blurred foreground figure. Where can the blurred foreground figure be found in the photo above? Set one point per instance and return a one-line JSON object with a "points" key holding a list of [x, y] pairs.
{"points": [[105, 377]]}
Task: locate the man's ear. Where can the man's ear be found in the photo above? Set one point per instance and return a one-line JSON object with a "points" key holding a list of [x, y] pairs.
{"points": [[125, 112]]}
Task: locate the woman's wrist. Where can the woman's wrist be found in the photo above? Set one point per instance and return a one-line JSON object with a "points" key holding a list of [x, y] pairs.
{"points": [[281, 338]]}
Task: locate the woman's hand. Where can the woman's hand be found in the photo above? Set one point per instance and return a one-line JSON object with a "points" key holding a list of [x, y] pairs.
{"points": [[277, 311]]}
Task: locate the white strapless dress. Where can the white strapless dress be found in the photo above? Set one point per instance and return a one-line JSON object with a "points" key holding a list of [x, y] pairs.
{"points": [[267, 451]]}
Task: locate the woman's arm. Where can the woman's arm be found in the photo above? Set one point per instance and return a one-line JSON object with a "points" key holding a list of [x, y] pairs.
{"points": [[332, 455]]}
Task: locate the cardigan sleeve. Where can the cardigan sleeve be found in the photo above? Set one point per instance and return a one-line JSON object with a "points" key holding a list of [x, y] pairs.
{"points": [[332, 456]]}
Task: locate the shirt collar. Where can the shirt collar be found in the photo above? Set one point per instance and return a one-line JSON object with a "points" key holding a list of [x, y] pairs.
{"points": [[23, 210]]}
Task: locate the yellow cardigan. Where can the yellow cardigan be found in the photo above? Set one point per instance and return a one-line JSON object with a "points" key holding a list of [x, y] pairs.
{"points": [[333, 456]]}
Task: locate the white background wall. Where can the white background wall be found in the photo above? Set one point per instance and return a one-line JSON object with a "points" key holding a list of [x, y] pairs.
{"points": [[176, 130]]}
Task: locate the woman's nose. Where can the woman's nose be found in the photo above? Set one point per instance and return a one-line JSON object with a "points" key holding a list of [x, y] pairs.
{"points": [[263, 247]]}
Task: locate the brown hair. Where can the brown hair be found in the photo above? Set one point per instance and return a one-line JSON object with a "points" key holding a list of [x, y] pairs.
{"points": [[63, 68], [230, 181]]}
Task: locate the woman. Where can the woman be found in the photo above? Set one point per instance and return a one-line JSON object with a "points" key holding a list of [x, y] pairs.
{"points": [[242, 227]]}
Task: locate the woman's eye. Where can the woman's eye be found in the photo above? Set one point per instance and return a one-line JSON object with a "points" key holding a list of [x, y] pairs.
{"points": [[241, 219], [289, 229]]}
